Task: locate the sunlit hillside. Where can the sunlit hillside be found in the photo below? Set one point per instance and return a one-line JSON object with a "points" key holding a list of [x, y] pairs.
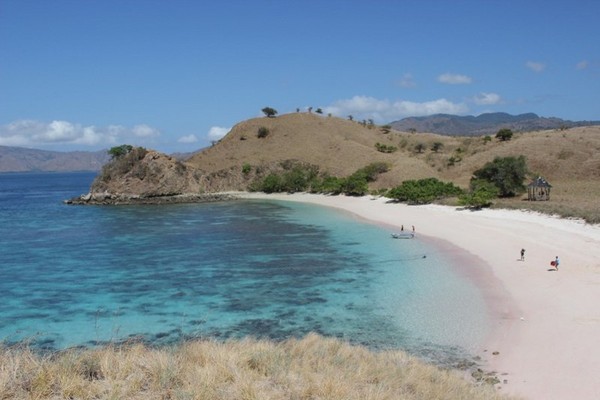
{"points": [[336, 145], [569, 159], [311, 368]]}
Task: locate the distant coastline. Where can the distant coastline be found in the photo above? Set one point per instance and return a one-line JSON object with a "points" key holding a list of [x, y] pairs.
{"points": [[32, 172], [20, 159]]}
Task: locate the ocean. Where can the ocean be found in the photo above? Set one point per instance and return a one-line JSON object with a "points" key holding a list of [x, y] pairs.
{"points": [[92, 275]]}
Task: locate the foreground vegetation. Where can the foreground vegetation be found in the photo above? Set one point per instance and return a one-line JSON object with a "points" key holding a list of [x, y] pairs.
{"points": [[311, 368]]}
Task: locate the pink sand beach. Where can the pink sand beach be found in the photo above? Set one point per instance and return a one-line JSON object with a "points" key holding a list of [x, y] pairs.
{"points": [[545, 341]]}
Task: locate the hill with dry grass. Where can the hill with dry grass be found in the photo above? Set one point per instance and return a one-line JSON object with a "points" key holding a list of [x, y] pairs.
{"points": [[569, 158], [337, 146]]}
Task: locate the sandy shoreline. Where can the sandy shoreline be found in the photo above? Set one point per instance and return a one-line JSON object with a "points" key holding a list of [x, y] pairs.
{"points": [[546, 324]]}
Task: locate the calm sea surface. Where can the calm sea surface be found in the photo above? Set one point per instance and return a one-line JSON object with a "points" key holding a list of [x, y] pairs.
{"points": [[87, 275]]}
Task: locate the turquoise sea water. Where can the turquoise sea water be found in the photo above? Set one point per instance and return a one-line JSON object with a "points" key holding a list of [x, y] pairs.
{"points": [[87, 275]]}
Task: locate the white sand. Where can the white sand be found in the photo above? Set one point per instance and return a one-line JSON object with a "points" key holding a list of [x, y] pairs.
{"points": [[546, 323]]}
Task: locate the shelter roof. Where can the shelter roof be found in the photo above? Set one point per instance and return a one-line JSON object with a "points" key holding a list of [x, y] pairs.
{"points": [[539, 182]]}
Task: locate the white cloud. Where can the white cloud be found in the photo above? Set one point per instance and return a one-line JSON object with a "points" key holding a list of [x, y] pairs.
{"points": [[59, 131], [487, 99], [30, 133], [217, 132], [188, 139], [582, 64], [145, 131], [364, 107], [407, 81], [454, 79], [89, 136], [535, 66]]}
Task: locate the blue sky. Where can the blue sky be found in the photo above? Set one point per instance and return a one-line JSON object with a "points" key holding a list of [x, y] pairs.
{"points": [[175, 75]]}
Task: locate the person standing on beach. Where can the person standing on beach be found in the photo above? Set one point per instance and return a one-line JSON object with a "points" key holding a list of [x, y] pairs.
{"points": [[522, 254], [556, 262]]}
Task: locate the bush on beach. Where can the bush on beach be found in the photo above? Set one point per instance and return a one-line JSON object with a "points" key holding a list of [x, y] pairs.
{"points": [[480, 195], [423, 191], [302, 177]]}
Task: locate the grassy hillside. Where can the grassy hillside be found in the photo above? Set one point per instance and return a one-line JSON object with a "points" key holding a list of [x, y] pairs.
{"points": [[311, 368], [569, 159], [337, 146]]}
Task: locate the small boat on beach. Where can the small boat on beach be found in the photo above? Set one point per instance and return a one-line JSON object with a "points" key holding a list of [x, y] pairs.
{"points": [[403, 235]]}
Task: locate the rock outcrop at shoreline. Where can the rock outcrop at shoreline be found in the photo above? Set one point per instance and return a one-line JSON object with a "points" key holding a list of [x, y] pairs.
{"points": [[124, 199], [148, 177]]}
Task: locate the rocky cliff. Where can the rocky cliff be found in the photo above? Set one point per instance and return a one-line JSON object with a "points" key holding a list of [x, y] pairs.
{"points": [[147, 177]]}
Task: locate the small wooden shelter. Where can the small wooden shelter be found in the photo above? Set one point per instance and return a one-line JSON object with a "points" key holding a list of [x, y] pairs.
{"points": [[538, 190]]}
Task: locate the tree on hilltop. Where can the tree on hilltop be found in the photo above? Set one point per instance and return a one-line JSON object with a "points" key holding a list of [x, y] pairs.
{"points": [[269, 112], [120, 151]]}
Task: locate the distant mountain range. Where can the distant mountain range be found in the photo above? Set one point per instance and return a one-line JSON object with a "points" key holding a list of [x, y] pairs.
{"points": [[484, 124], [19, 159]]}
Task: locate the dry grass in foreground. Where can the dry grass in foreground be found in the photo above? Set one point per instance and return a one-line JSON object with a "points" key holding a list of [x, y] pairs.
{"points": [[311, 368]]}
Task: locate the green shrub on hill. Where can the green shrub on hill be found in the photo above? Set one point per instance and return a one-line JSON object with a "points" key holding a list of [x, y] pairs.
{"points": [[384, 148], [299, 177], [480, 194], [506, 173], [355, 185], [263, 132], [504, 134], [423, 191], [371, 171], [295, 177], [272, 183], [328, 185]]}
